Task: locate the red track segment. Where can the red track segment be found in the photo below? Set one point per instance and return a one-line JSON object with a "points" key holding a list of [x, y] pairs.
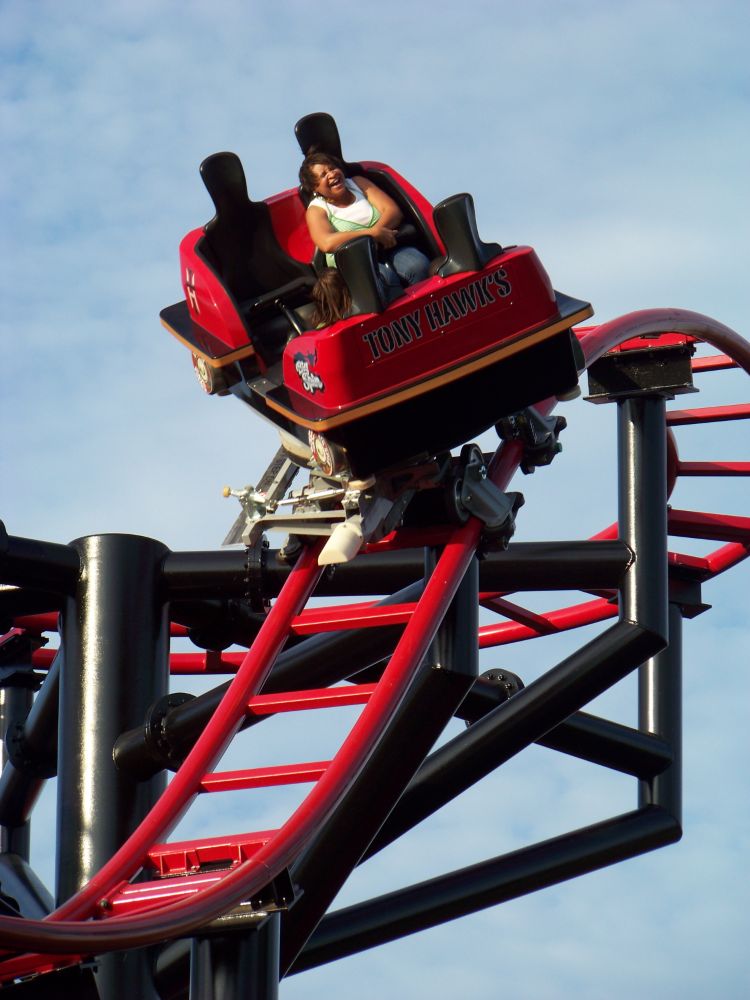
{"points": [[556, 621], [714, 363], [263, 777], [180, 858], [336, 618], [713, 469], [708, 414]]}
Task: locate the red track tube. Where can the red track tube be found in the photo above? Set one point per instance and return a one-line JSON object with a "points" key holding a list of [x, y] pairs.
{"points": [[301, 701], [726, 557], [558, 621], [713, 469], [38, 623], [714, 363], [263, 777], [335, 619], [708, 414], [721, 527], [600, 339]]}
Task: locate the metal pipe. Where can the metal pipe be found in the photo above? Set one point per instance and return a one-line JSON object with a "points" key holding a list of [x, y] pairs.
{"points": [[186, 915], [386, 918], [30, 562], [610, 744], [439, 686], [642, 502], [562, 565], [15, 702], [512, 726], [33, 755], [115, 640], [237, 965], [660, 712], [645, 322], [585, 736], [17, 602]]}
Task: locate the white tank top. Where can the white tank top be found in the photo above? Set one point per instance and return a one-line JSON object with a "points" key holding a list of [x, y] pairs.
{"points": [[344, 218]]}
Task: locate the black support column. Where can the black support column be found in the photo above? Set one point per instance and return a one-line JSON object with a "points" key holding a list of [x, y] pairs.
{"points": [[660, 712], [115, 638], [234, 966]]}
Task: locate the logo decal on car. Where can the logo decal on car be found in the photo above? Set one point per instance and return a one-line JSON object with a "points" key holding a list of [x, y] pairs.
{"points": [[311, 381]]}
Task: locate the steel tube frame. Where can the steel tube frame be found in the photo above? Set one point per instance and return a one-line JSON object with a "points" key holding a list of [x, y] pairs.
{"points": [[588, 737], [511, 727], [641, 632], [234, 966], [20, 787], [561, 565], [607, 562], [609, 744], [77, 933], [642, 461], [655, 824], [38, 564], [642, 502], [112, 672], [15, 702], [660, 712], [497, 880]]}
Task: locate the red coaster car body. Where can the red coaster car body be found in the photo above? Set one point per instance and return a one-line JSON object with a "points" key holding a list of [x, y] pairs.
{"points": [[395, 382]]}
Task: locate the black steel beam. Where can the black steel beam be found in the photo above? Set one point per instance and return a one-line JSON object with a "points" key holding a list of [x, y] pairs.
{"points": [[30, 562], [588, 737], [17, 683], [17, 601], [560, 565], [505, 731], [660, 712], [32, 752], [610, 744], [115, 640], [236, 966], [642, 506], [386, 918], [437, 689]]}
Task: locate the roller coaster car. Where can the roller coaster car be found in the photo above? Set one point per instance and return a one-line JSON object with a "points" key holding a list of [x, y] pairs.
{"points": [[398, 380]]}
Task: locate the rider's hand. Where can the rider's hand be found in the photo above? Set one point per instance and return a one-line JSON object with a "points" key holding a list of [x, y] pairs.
{"points": [[384, 236]]}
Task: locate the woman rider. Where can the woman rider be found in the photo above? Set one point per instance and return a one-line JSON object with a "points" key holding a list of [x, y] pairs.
{"points": [[344, 208]]}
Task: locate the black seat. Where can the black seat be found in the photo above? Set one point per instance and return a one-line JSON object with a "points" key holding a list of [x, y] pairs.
{"points": [[240, 243], [456, 222]]}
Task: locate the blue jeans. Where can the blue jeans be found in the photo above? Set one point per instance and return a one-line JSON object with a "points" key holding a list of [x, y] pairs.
{"points": [[403, 266]]}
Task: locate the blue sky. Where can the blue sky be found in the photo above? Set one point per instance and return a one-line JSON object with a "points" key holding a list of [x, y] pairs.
{"points": [[612, 138]]}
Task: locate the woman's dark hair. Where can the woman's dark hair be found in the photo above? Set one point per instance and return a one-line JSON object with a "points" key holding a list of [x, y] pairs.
{"points": [[331, 298], [314, 159]]}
